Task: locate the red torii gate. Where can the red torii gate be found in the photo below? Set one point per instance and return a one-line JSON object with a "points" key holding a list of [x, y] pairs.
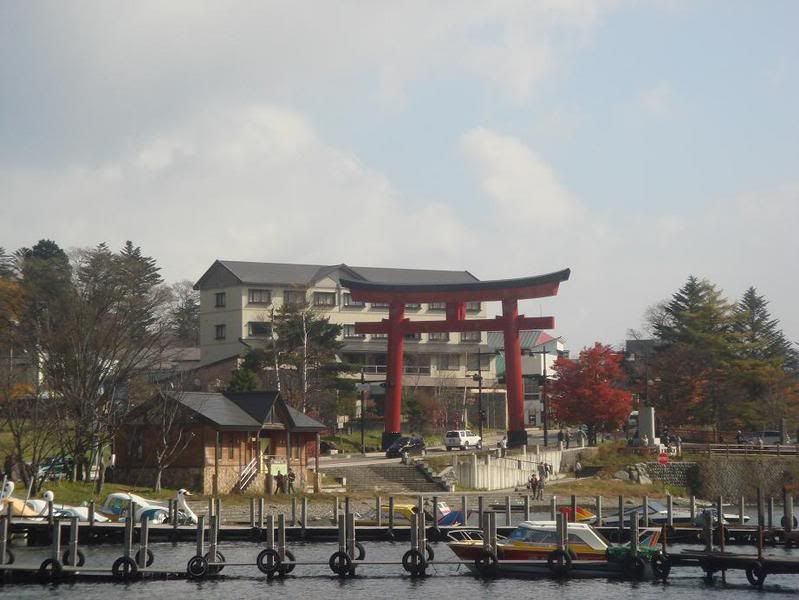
{"points": [[455, 295]]}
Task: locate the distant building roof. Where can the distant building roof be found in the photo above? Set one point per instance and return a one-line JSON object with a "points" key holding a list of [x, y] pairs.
{"points": [[248, 411], [222, 412], [305, 275], [528, 339]]}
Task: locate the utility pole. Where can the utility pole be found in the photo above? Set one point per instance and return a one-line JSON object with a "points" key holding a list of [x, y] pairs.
{"points": [[363, 411]]}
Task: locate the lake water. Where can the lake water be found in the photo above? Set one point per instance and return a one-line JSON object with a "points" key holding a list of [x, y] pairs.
{"points": [[376, 582]]}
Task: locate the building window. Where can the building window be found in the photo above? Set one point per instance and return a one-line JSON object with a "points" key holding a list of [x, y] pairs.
{"points": [[380, 305], [259, 329], [438, 336], [349, 302], [473, 306], [220, 299], [437, 306], [259, 297], [448, 362], [349, 333], [293, 297], [379, 336], [471, 362], [324, 299], [413, 306], [470, 336], [220, 332], [413, 337]]}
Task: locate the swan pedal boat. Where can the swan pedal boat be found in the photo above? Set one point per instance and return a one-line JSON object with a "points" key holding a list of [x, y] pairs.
{"points": [[589, 554]]}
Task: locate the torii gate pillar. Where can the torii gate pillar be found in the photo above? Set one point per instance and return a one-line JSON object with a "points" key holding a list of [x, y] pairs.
{"points": [[392, 417], [517, 434]]}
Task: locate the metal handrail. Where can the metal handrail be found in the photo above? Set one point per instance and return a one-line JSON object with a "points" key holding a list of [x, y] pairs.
{"points": [[248, 473]]}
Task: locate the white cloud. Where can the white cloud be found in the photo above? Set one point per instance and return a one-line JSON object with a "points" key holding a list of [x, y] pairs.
{"points": [[658, 100]]}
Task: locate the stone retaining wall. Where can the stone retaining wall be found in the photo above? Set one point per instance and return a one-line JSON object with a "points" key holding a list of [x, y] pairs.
{"points": [[683, 474]]}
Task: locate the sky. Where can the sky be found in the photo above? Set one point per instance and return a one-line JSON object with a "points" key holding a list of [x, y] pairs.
{"points": [[635, 142]]}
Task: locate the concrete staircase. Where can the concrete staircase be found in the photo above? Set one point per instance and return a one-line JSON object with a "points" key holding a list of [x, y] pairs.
{"points": [[394, 478]]}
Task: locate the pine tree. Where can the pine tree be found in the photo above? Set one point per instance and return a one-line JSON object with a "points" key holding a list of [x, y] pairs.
{"points": [[695, 349]]}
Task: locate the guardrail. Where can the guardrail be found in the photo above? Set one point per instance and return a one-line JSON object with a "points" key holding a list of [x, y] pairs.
{"points": [[744, 449]]}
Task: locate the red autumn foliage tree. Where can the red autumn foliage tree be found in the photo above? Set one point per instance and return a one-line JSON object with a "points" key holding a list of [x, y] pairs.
{"points": [[588, 390]]}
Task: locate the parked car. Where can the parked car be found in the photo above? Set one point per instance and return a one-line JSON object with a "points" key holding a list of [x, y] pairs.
{"points": [[328, 447], [56, 467], [411, 445], [463, 439]]}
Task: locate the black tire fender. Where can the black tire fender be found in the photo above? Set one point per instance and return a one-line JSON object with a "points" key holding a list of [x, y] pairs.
{"points": [[429, 553], [50, 569], [124, 568], [340, 563], [559, 563], [635, 567], [268, 561], [486, 564], [755, 574], [661, 565], [288, 565], [78, 554], [413, 562], [360, 551], [150, 557], [197, 567], [220, 558]]}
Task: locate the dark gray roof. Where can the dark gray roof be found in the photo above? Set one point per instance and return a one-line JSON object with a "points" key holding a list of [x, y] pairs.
{"points": [[256, 404], [246, 411], [301, 421], [305, 275], [219, 410]]}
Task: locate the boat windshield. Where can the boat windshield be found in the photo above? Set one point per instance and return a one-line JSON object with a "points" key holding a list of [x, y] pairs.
{"points": [[548, 535]]}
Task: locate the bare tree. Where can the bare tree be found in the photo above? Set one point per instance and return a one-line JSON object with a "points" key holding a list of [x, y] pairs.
{"points": [[172, 428]]}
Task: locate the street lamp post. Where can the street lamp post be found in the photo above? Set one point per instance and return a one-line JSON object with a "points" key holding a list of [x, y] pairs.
{"points": [[363, 411], [479, 379]]}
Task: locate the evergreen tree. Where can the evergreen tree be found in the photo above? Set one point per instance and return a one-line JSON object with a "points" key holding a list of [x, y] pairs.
{"points": [[765, 363], [695, 349], [183, 316], [243, 380]]}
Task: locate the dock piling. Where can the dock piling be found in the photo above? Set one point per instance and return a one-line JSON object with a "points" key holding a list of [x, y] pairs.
{"points": [[200, 549], [92, 517], [771, 513], [3, 538], [573, 516], [261, 512], [480, 512], [142, 556], [788, 524], [621, 519], [303, 515], [281, 537], [599, 521], [553, 508], [634, 533], [391, 515], [294, 510], [527, 508], [507, 510], [72, 552], [669, 510], [646, 511], [379, 511], [252, 512], [693, 509], [741, 509], [760, 516], [270, 531]]}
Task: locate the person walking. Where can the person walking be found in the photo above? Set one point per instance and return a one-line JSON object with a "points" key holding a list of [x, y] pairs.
{"points": [[290, 477], [540, 490], [503, 445], [280, 481], [578, 469]]}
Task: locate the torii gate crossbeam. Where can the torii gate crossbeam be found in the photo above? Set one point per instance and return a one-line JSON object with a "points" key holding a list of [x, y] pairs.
{"points": [[507, 291]]}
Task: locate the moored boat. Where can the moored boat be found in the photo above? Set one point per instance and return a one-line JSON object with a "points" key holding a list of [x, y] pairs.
{"points": [[532, 550]]}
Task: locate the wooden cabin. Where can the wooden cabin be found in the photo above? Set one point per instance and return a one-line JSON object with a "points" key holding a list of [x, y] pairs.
{"points": [[230, 442]]}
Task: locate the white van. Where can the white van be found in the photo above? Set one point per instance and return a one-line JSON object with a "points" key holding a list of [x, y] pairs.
{"points": [[463, 439]]}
